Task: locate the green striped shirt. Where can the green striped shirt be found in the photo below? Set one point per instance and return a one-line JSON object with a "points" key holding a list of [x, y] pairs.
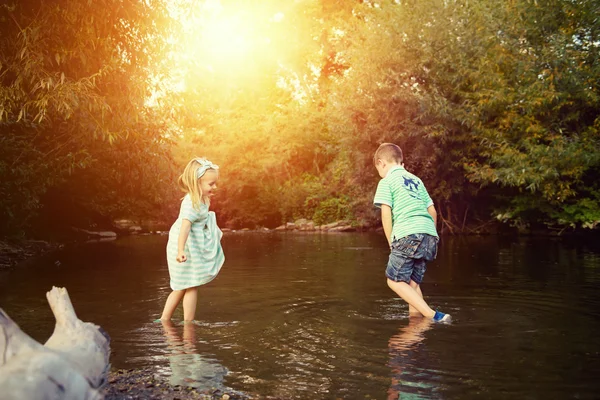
{"points": [[405, 193]]}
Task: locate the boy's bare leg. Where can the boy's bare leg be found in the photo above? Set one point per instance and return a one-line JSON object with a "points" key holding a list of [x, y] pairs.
{"points": [[413, 312], [412, 297], [171, 304], [408, 336], [190, 299]]}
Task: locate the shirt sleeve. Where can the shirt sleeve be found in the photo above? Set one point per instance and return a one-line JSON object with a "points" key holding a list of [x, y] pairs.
{"points": [[383, 195], [424, 195], [188, 211]]}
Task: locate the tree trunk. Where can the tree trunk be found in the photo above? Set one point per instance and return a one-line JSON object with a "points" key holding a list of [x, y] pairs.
{"points": [[71, 365]]}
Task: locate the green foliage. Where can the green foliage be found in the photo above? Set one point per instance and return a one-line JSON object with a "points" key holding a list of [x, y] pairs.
{"points": [[479, 95], [331, 210], [496, 106], [483, 95], [74, 78], [26, 172]]}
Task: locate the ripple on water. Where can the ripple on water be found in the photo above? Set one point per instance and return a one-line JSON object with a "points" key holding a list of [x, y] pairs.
{"points": [[312, 319]]}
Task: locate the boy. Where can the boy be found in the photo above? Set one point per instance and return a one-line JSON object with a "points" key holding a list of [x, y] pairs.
{"points": [[409, 219]]}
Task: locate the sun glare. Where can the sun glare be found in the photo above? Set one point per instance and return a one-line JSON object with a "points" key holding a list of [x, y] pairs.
{"points": [[223, 46], [225, 40], [219, 38]]}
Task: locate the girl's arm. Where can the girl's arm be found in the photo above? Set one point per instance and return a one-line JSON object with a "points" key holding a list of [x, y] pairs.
{"points": [[386, 221], [184, 232]]}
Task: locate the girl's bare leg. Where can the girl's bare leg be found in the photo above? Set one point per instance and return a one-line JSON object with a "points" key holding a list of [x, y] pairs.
{"points": [[413, 312], [190, 299], [189, 338], [170, 330], [412, 297], [171, 304], [189, 334]]}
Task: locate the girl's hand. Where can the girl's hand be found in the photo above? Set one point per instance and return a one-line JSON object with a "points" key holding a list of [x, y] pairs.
{"points": [[181, 257]]}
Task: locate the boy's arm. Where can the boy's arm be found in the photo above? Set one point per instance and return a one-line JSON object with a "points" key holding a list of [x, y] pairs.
{"points": [[433, 213], [386, 221]]}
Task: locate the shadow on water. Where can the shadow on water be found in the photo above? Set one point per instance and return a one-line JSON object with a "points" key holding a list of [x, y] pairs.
{"points": [[296, 316]]}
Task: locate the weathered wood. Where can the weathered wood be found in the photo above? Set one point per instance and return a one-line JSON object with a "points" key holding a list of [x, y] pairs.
{"points": [[72, 365], [12, 339], [83, 343]]}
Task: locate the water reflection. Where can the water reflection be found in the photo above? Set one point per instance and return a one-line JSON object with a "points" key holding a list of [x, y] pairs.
{"points": [[188, 366], [408, 381]]}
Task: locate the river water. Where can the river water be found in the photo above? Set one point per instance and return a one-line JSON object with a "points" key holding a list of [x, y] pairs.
{"points": [[309, 316]]}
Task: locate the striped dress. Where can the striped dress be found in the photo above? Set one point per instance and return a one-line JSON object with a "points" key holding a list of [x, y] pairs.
{"points": [[203, 248]]}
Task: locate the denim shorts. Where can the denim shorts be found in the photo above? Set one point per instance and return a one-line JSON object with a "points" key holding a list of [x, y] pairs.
{"points": [[409, 257]]}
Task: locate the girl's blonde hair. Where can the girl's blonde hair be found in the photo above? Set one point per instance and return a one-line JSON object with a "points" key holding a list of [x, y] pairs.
{"points": [[189, 182]]}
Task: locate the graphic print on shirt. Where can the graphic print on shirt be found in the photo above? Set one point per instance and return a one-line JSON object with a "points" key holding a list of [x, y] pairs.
{"points": [[412, 186]]}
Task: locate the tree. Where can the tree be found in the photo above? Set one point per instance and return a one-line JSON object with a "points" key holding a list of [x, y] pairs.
{"points": [[74, 81], [481, 95]]}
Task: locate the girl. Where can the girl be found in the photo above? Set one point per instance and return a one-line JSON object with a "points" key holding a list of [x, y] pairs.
{"points": [[194, 252]]}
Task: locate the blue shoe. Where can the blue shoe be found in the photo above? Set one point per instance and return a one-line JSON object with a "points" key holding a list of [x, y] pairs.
{"points": [[441, 317]]}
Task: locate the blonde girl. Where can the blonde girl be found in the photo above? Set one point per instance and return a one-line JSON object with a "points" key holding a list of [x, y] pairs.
{"points": [[194, 252]]}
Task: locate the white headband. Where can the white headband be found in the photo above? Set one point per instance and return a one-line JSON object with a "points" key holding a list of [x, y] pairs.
{"points": [[205, 165]]}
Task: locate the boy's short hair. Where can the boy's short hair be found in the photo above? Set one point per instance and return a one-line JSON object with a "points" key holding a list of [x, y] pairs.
{"points": [[389, 152]]}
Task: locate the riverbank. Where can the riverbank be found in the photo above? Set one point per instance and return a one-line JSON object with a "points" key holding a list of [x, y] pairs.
{"points": [[13, 252], [144, 384]]}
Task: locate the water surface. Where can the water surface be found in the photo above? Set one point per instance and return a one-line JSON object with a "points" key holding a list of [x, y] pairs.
{"points": [[296, 316]]}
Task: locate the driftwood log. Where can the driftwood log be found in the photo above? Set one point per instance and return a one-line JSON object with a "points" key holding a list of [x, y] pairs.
{"points": [[73, 363]]}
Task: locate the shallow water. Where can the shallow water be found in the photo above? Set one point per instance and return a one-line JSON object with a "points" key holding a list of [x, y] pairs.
{"points": [[295, 316]]}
